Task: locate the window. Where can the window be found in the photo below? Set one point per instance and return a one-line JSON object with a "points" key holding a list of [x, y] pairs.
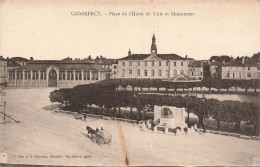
{"points": [[227, 75], [145, 63], [160, 72], [249, 75], [138, 63], [43, 75], [160, 63], [130, 72], [174, 63], [167, 63], [123, 63], [114, 67], [233, 75], [145, 72], [130, 63], [138, 72], [152, 73], [181, 63], [191, 73], [175, 72], [258, 68], [167, 73], [123, 72], [152, 63], [61, 76], [239, 75], [79, 75], [248, 68], [29, 75]]}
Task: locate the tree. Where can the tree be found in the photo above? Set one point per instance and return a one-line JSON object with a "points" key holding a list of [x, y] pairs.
{"points": [[89, 57]]}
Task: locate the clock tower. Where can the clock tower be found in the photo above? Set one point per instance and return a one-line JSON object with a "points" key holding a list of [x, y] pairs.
{"points": [[153, 47]]}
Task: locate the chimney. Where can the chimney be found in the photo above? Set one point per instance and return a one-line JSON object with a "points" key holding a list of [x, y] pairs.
{"points": [[243, 60], [31, 58], [129, 52]]}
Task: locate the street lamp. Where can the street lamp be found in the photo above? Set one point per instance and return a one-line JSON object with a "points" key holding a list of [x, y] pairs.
{"points": [[204, 108], [4, 109]]}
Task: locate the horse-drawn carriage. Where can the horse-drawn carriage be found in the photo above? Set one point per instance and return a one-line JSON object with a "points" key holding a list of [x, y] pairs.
{"points": [[99, 136]]}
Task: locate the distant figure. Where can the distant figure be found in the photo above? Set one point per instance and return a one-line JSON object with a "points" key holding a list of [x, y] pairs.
{"points": [[85, 116], [97, 130], [102, 128]]}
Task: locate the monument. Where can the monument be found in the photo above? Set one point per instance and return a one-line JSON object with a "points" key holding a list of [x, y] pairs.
{"points": [[168, 116]]}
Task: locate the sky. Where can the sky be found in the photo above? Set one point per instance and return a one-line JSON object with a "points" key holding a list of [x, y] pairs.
{"points": [[49, 30]]}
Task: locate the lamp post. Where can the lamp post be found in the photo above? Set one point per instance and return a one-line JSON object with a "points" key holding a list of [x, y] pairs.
{"points": [[4, 109], [187, 99], [204, 108]]}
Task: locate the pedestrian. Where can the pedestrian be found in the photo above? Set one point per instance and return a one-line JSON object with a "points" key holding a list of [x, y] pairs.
{"points": [[85, 116]]}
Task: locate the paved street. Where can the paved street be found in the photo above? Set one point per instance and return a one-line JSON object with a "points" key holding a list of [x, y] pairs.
{"points": [[49, 138]]}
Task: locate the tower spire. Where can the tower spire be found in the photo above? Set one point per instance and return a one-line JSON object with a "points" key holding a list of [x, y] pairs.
{"points": [[153, 46]]}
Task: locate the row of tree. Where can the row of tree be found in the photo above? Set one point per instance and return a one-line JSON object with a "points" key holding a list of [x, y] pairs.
{"points": [[104, 95], [206, 82]]}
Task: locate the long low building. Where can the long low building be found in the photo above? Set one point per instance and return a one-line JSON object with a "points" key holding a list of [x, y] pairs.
{"points": [[56, 73]]}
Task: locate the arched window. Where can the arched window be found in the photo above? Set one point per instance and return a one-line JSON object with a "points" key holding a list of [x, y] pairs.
{"points": [[130, 72], [167, 73], [152, 72], [123, 72], [175, 72], [160, 72], [145, 72], [138, 72]]}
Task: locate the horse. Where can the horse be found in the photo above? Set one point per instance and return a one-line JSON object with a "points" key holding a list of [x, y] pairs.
{"points": [[90, 130]]}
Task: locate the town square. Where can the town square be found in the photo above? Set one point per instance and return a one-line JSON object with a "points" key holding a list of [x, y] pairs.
{"points": [[129, 84]]}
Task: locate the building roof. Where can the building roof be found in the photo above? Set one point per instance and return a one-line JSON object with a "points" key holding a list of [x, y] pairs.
{"points": [[42, 65], [61, 62], [195, 64], [104, 61], [144, 56], [2, 59], [247, 63]]}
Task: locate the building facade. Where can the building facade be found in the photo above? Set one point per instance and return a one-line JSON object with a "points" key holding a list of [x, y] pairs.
{"points": [[3, 71], [155, 65], [240, 69], [56, 73]]}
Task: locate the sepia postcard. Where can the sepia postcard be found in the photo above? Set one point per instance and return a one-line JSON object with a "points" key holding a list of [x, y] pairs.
{"points": [[129, 83]]}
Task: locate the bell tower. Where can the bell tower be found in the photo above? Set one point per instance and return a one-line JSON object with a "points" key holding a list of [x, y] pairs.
{"points": [[153, 46]]}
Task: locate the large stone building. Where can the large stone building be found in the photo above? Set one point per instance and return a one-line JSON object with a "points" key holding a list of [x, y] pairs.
{"points": [[156, 65], [3, 71], [240, 69], [60, 73], [106, 63]]}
